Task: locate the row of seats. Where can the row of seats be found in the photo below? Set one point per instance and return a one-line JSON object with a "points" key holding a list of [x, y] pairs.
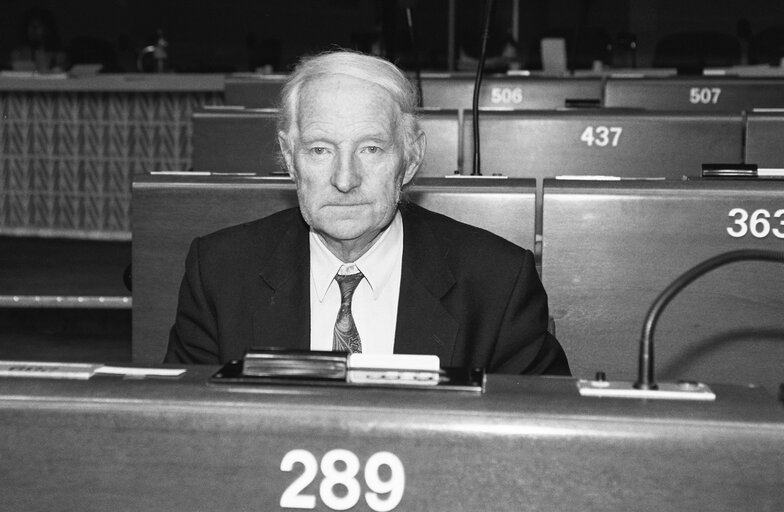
{"points": [[696, 93], [608, 249], [527, 144]]}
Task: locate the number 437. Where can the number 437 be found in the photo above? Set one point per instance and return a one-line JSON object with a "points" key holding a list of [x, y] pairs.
{"points": [[602, 136], [339, 468]]}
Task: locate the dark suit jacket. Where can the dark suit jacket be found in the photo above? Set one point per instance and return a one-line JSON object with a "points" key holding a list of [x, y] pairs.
{"points": [[466, 295]]}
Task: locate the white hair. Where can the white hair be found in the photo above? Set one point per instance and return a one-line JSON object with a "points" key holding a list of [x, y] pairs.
{"points": [[357, 65]]}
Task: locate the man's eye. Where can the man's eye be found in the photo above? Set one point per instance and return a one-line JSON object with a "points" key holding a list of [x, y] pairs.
{"points": [[372, 149], [318, 150]]}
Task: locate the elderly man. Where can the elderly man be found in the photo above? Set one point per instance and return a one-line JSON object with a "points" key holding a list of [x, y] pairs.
{"points": [[355, 267]]}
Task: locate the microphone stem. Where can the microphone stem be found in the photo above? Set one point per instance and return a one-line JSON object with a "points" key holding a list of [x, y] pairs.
{"points": [[478, 83], [646, 379]]}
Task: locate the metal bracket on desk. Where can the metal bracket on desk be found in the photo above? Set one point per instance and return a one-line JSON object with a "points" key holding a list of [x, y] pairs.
{"points": [[684, 390]]}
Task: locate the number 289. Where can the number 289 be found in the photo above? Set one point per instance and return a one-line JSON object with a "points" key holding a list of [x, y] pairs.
{"points": [[339, 468]]}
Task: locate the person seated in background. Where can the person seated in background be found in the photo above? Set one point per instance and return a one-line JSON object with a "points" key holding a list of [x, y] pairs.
{"points": [[39, 44], [356, 267]]}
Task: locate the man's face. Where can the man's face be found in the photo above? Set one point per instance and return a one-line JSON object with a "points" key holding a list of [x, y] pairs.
{"points": [[347, 159]]}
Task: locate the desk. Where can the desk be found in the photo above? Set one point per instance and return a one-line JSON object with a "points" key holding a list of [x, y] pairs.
{"points": [[765, 139], [610, 248], [231, 139], [62, 273], [527, 444], [541, 144], [236, 140], [695, 94], [447, 91], [260, 91], [512, 92]]}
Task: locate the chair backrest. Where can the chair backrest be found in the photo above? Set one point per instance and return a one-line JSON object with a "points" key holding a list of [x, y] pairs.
{"points": [[170, 210], [696, 50], [542, 144], [767, 46], [609, 249]]}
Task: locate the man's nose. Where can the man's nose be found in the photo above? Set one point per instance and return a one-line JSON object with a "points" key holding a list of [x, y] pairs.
{"points": [[346, 176]]}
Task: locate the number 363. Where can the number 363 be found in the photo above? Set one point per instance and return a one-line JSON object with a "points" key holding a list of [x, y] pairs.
{"points": [[758, 224]]}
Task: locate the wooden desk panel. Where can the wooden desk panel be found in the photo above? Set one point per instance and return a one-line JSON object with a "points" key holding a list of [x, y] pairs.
{"points": [[168, 213], [765, 139], [527, 444], [517, 92], [236, 141], [695, 94], [442, 130], [63, 273], [609, 249], [449, 92], [254, 92], [628, 144], [229, 139]]}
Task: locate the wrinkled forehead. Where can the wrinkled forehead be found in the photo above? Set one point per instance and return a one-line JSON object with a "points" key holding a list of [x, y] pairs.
{"points": [[345, 99]]}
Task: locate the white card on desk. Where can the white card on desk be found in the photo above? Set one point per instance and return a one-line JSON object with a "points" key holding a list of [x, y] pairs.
{"points": [[44, 370]]}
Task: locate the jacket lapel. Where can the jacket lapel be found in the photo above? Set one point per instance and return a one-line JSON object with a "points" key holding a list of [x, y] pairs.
{"points": [[424, 326], [282, 315]]}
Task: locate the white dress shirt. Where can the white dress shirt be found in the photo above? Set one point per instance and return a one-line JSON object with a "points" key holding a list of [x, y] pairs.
{"points": [[374, 303]]}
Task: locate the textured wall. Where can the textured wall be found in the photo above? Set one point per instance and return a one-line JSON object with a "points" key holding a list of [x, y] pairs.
{"points": [[67, 159]]}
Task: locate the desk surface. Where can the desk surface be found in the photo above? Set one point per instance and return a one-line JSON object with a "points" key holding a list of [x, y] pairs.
{"points": [[526, 444], [138, 82]]}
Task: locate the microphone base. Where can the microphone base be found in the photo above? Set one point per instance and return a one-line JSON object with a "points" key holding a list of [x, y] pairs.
{"points": [[683, 390]]}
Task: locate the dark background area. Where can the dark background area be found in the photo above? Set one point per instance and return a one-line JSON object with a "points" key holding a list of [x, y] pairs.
{"points": [[243, 35]]}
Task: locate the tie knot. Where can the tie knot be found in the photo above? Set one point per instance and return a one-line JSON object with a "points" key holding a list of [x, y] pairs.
{"points": [[348, 283]]}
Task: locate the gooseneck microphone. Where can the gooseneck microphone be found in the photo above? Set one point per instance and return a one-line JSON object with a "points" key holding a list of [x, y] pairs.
{"points": [[415, 51], [477, 84], [645, 378]]}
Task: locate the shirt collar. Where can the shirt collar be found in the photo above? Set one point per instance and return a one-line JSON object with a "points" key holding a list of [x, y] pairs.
{"points": [[377, 264]]}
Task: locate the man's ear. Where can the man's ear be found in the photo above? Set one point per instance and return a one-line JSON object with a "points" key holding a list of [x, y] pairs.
{"points": [[287, 151], [417, 156]]}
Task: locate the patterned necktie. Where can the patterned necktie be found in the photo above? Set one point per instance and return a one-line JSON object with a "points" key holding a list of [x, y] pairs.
{"points": [[346, 336]]}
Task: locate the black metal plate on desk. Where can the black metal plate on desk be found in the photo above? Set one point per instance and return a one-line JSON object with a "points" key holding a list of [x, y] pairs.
{"points": [[452, 379]]}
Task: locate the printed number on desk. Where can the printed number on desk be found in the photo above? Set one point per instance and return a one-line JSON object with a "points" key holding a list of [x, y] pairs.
{"points": [[602, 136], [339, 468], [506, 95], [759, 224], [704, 95]]}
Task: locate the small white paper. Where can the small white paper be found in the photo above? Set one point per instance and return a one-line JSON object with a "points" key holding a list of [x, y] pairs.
{"points": [[139, 372], [553, 55]]}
